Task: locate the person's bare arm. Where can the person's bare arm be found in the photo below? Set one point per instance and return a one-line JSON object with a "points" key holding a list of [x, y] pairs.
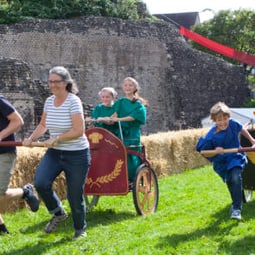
{"points": [[246, 134], [39, 130], [14, 125], [117, 119]]}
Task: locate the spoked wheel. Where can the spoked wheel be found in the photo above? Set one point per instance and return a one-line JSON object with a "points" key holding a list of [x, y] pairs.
{"points": [[91, 201], [145, 191], [247, 195]]}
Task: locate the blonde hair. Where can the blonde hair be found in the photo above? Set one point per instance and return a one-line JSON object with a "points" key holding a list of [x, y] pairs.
{"points": [[136, 95], [111, 91], [219, 108]]}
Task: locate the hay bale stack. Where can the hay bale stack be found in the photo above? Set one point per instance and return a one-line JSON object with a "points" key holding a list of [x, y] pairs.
{"points": [[26, 164], [174, 151], [168, 153]]}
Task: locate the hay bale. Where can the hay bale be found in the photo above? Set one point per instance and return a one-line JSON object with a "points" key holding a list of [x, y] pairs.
{"points": [[174, 151], [169, 152], [25, 167]]}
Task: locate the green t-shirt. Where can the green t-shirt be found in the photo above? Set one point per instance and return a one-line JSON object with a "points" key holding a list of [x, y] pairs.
{"points": [[101, 110], [131, 129]]}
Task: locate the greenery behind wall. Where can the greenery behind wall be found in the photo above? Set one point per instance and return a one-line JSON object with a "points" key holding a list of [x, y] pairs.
{"points": [[12, 11], [235, 29]]}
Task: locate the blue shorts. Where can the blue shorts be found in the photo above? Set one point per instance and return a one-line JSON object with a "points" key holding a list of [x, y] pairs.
{"points": [[7, 162]]}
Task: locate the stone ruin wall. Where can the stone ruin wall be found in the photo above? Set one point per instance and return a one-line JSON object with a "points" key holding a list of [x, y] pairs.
{"points": [[17, 86], [180, 83]]}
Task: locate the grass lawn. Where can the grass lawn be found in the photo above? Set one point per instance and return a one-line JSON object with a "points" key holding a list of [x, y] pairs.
{"points": [[192, 218]]}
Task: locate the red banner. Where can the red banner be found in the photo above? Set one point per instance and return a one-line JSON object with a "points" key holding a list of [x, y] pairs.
{"points": [[217, 47]]}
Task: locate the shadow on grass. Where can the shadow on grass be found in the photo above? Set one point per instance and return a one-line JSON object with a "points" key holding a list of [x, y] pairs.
{"points": [[39, 227], [242, 246], [93, 219], [217, 231], [109, 216], [40, 247], [45, 243]]}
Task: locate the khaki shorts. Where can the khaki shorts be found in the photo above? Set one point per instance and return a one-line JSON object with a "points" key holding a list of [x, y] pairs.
{"points": [[7, 162]]}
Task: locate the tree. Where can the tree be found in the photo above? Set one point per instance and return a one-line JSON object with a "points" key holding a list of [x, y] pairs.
{"points": [[12, 11], [235, 29]]}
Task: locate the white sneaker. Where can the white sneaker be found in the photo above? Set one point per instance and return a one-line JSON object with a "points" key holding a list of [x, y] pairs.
{"points": [[78, 234], [236, 214]]}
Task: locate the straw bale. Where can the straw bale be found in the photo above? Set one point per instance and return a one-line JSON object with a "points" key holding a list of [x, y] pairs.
{"points": [[24, 170], [169, 152], [174, 151]]}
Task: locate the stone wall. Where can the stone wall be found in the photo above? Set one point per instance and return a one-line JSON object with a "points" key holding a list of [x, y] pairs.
{"points": [[18, 87], [180, 83]]}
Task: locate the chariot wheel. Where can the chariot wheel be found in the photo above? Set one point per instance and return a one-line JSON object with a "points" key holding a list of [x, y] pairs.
{"points": [[247, 195], [145, 190], [91, 201]]}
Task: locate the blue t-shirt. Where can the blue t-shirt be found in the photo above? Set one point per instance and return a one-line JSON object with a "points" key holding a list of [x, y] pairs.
{"points": [[226, 139], [6, 109]]}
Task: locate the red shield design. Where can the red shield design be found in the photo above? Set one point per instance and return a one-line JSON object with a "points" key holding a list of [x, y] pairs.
{"points": [[108, 174]]}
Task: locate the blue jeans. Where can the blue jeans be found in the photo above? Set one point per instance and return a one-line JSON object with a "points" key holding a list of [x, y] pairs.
{"points": [[75, 165], [234, 183]]}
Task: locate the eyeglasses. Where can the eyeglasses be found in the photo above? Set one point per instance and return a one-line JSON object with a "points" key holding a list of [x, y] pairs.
{"points": [[55, 82]]}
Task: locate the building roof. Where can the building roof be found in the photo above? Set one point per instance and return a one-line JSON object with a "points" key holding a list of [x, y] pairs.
{"points": [[243, 115], [185, 19]]}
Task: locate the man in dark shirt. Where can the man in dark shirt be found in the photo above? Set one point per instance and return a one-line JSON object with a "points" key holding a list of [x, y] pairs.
{"points": [[10, 122]]}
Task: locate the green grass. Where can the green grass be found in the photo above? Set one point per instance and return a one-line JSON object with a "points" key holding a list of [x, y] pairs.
{"points": [[192, 218]]}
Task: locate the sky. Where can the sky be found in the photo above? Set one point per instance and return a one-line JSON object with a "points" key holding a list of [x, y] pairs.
{"points": [[206, 8]]}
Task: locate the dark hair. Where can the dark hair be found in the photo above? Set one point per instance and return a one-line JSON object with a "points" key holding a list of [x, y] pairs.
{"points": [[65, 75]]}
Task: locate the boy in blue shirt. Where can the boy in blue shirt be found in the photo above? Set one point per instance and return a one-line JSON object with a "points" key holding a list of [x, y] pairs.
{"points": [[225, 135]]}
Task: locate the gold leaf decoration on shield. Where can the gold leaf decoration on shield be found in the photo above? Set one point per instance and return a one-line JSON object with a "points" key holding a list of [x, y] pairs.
{"points": [[109, 177]]}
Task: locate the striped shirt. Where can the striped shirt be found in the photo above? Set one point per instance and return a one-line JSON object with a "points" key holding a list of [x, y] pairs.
{"points": [[59, 121]]}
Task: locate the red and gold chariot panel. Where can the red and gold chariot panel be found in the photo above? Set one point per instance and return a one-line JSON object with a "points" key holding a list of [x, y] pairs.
{"points": [[108, 174]]}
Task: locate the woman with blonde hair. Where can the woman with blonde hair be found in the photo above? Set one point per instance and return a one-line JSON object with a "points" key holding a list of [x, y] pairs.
{"points": [[130, 112]]}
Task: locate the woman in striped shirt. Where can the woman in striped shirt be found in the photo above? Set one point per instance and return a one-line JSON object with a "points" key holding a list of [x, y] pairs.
{"points": [[68, 152]]}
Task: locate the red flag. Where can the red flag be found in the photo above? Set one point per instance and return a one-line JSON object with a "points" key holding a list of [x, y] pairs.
{"points": [[217, 47]]}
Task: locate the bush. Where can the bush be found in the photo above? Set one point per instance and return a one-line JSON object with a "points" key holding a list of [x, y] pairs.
{"points": [[14, 11]]}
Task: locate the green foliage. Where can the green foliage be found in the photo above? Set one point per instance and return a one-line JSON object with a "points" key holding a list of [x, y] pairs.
{"points": [[16, 10], [235, 29], [192, 218], [250, 103]]}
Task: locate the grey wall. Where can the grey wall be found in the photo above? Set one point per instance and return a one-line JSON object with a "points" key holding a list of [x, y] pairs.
{"points": [[181, 84]]}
